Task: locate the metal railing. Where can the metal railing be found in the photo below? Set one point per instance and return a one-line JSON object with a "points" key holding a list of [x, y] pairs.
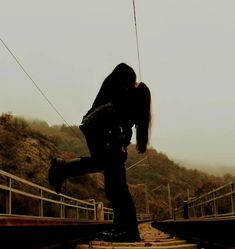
{"points": [[219, 202], [21, 197]]}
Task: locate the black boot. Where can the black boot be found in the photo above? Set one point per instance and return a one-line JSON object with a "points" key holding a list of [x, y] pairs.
{"points": [[61, 169], [55, 174]]}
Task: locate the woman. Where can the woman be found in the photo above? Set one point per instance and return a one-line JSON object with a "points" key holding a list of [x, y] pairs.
{"points": [[120, 105]]}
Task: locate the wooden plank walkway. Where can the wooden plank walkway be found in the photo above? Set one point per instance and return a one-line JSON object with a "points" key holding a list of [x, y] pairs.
{"points": [[151, 238]]}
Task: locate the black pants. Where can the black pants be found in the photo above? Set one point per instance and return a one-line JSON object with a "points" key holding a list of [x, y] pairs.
{"points": [[110, 159]]}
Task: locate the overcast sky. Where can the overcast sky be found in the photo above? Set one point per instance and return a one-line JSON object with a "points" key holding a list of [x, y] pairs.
{"points": [[187, 57]]}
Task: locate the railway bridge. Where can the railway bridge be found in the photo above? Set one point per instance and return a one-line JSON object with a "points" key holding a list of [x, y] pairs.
{"points": [[61, 221]]}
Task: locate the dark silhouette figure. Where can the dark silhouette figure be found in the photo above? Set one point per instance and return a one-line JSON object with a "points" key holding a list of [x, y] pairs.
{"points": [[120, 105]]}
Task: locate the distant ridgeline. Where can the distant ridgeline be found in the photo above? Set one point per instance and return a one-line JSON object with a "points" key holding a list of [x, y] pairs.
{"points": [[26, 147]]}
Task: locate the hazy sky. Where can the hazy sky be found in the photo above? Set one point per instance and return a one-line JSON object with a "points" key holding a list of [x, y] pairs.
{"points": [[187, 50]]}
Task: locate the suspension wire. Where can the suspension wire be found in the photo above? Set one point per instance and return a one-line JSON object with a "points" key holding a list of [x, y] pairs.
{"points": [[138, 53], [136, 36], [133, 165], [38, 88]]}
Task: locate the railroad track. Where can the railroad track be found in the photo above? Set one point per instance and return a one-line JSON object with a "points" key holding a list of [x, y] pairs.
{"points": [[150, 237]]}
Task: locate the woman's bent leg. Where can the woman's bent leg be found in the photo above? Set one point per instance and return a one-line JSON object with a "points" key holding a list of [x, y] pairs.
{"points": [[62, 169]]}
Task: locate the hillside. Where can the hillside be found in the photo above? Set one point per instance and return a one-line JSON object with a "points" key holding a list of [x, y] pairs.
{"points": [[217, 170], [26, 148]]}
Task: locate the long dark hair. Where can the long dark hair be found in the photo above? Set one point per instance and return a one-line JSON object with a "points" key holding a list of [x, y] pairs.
{"points": [[143, 117], [122, 76]]}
